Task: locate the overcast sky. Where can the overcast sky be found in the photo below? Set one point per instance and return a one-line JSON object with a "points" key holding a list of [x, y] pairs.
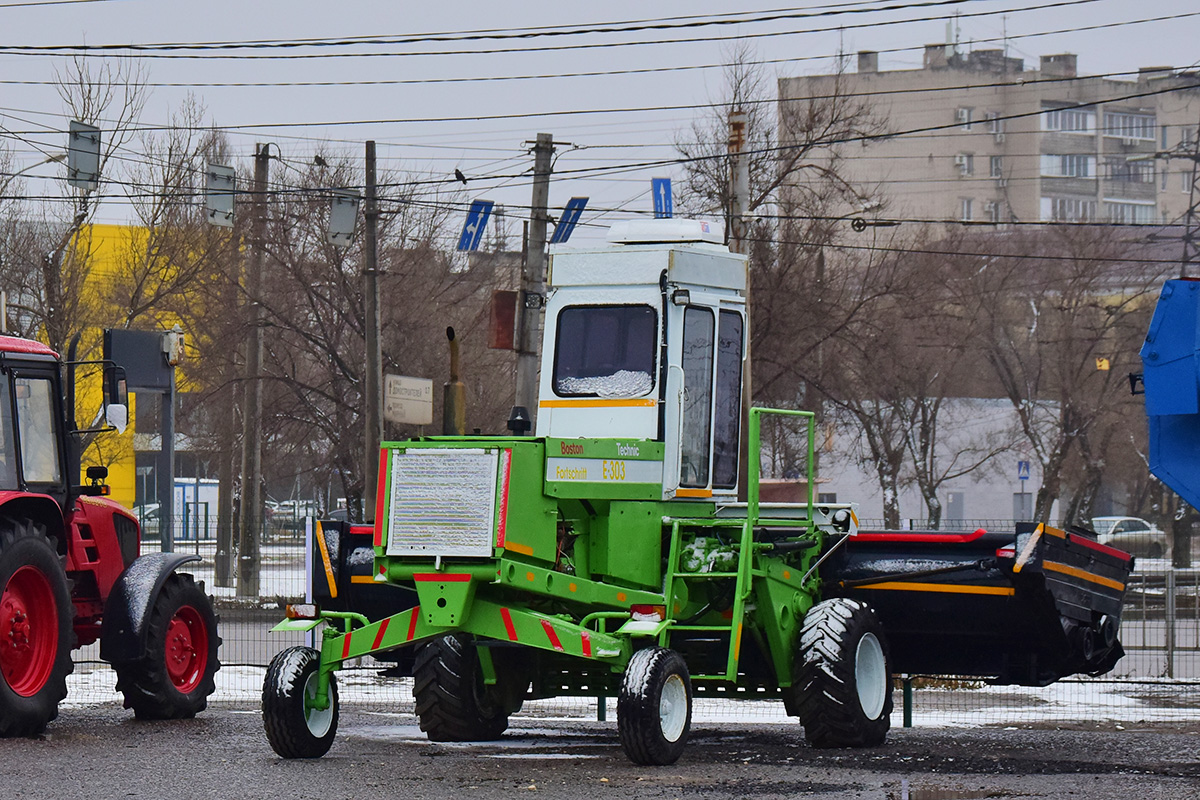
{"points": [[302, 120]]}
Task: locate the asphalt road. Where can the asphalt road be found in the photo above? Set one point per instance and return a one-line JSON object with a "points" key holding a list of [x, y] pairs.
{"points": [[102, 752]]}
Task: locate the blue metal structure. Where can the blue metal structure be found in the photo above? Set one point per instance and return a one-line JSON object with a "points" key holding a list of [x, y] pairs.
{"points": [[1171, 374]]}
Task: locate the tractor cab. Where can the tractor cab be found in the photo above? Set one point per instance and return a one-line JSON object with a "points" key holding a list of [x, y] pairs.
{"points": [[32, 444], [644, 342]]}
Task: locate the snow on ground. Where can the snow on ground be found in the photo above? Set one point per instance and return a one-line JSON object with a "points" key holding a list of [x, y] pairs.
{"points": [[1067, 702]]}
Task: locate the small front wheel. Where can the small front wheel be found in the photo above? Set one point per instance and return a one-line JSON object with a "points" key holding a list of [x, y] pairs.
{"points": [[654, 708], [294, 727]]}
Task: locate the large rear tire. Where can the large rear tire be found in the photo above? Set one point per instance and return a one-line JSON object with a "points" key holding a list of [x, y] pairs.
{"points": [[175, 677], [293, 729], [452, 701], [654, 708], [36, 629], [843, 676]]}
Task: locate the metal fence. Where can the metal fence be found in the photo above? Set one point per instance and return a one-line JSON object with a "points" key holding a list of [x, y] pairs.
{"points": [[1156, 682]]}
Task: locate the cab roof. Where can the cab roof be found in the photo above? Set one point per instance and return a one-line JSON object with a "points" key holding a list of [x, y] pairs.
{"points": [[15, 344]]}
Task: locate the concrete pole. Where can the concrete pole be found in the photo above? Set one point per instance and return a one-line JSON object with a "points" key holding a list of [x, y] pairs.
{"points": [[373, 383], [533, 278], [251, 512], [739, 206], [739, 175]]}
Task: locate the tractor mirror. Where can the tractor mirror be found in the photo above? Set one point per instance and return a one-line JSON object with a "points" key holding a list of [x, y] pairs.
{"points": [[116, 397]]}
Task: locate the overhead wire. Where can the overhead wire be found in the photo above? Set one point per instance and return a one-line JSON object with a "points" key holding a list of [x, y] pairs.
{"points": [[165, 50], [627, 26], [617, 72]]}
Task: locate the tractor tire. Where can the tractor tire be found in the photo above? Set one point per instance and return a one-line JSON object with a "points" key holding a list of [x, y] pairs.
{"points": [[452, 701], [843, 677], [654, 707], [294, 730], [36, 628], [175, 677]]}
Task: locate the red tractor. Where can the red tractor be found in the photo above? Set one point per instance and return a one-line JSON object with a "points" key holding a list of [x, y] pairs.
{"points": [[70, 573]]}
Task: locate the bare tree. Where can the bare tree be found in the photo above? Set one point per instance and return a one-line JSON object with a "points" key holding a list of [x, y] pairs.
{"points": [[1054, 314], [111, 94]]}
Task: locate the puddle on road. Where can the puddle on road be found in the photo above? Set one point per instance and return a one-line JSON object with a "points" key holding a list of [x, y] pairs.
{"points": [[911, 791]]}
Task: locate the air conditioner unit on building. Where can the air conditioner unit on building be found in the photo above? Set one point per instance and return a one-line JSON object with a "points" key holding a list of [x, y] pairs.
{"points": [[963, 162], [963, 115]]}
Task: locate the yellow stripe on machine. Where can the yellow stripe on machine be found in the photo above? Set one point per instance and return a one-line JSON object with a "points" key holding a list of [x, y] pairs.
{"points": [[324, 548], [952, 588], [642, 402], [1028, 550], [1082, 574]]}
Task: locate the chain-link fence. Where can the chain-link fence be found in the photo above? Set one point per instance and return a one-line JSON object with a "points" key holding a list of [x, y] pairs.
{"points": [[1155, 682]]}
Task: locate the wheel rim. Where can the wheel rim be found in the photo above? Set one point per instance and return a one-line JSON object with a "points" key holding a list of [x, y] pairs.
{"points": [[318, 720], [28, 631], [186, 649], [870, 675], [672, 708]]}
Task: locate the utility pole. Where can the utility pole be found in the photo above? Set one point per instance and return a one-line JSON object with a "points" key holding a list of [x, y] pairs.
{"points": [[373, 384], [739, 207], [1191, 225], [739, 175], [533, 278], [251, 512]]}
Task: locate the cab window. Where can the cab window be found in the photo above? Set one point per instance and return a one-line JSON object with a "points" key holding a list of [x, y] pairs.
{"points": [[727, 420], [605, 351], [8, 441], [697, 366], [37, 430]]}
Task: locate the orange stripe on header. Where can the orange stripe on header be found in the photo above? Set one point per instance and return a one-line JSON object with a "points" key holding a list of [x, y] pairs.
{"points": [[325, 562]]}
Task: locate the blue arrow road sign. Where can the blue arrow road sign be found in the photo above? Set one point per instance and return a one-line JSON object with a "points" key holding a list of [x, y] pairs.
{"points": [[566, 223], [1023, 470], [477, 217], [661, 189]]}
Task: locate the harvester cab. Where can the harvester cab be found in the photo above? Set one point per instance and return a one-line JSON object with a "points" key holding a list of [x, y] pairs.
{"points": [[608, 555], [645, 344]]}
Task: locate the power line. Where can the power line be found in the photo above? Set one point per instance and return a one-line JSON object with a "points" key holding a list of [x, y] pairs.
{"points": [[501, 34], [114, 49], [50, 3]]}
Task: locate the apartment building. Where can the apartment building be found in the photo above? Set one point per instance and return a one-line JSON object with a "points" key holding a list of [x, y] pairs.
{"points": [[977, 136]]}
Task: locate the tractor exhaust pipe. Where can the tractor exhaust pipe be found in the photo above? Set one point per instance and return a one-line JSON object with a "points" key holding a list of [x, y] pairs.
{"points": [[454, 395]]}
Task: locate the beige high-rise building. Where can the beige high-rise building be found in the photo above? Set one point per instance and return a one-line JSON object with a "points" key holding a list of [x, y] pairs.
{"points": [[978, 137]]}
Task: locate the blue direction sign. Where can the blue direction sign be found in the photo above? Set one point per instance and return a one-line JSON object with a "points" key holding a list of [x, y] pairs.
{"points": [[566, 223], [1023, 470], [477, 217], [661, 189]]}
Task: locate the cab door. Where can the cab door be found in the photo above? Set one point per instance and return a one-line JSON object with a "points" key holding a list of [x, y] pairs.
{"points": [[703, 405]]}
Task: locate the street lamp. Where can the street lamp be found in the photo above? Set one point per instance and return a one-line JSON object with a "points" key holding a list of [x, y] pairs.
{"points": [[47, 160]]}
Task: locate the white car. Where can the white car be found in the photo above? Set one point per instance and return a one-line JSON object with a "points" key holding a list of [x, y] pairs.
{"points": [[1131, 534]]}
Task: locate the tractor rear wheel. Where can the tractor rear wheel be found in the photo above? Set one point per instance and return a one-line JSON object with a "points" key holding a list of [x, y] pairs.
{"points": [[36, 629], [294, 729], [452, 701], [654, 708], [843, 676], [175, 677]]}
